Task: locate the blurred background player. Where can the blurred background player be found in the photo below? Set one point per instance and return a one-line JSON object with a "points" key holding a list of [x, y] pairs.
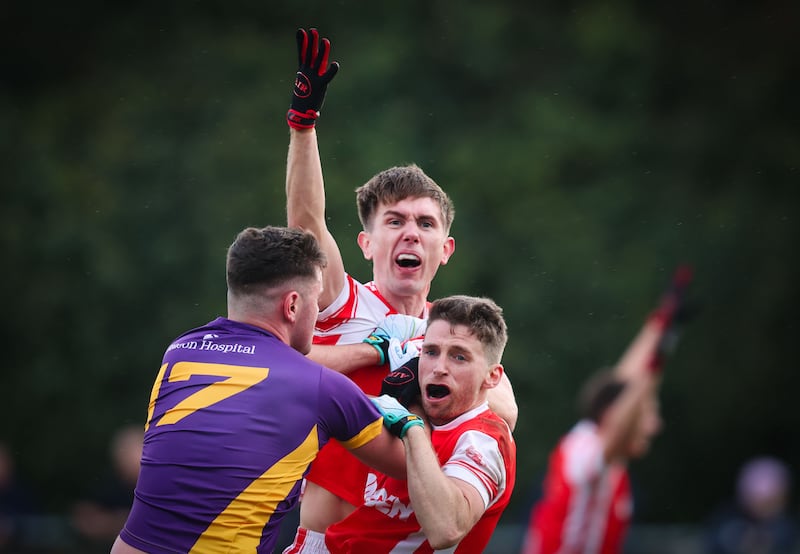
{"points": [[758, 520], [99, 516], [586, 505], [406, 219]]}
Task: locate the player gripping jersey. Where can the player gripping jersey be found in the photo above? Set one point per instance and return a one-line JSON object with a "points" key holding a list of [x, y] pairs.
{"points": [[219, 384], [355, 313], [476, 447]]}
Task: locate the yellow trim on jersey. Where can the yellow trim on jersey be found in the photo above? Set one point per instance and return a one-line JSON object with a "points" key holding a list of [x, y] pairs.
{"points": [[242, 522], [154, 395], [367, 434]]}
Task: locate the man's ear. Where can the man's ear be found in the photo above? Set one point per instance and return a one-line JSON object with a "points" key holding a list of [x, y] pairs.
{"points": [[364, 243], [448, 250], [290, 305], [492, 378]]}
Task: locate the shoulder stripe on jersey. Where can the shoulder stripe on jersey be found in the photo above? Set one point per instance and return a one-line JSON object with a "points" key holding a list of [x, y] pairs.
{"points": [[346, 312], [367, 434]]}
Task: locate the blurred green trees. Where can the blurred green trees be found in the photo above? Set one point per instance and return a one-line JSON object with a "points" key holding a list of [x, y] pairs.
{"points": [[589, 149]]}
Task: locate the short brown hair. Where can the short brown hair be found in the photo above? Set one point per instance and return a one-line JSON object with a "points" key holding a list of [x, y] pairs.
{"points": [[271, 256], [598, 393], [482, 315], [397, 183]]}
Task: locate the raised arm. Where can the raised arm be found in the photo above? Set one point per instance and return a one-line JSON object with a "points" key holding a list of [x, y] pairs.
{"points": [[641, 364], [305, 188], [642, 350], [622, 418]]}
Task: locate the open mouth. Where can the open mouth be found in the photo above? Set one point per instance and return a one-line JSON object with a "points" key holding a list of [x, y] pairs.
{"points": [[408, 260], [437, 391]]}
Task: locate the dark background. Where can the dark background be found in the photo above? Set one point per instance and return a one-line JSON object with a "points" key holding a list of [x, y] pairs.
{"points": [[589, 149]]}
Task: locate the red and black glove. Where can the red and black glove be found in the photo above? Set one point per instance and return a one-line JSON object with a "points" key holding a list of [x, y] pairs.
{"points": [[672, 306], [402, 383], [311, 82], [672, 312]]}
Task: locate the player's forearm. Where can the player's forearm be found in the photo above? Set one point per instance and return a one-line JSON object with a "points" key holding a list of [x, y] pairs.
{"points": [[636, 359], [440, 506], [386, 453], [305, 205], [346, 357], [622, 418], [305, 192]]}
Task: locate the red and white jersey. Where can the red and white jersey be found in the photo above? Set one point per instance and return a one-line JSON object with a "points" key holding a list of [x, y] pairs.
{"points": [[586, 505], [476, 447], [350, 319]]}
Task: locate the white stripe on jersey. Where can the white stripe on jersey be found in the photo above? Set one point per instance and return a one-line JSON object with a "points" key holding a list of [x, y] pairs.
{"points": [[586, 471], [477, 460]]}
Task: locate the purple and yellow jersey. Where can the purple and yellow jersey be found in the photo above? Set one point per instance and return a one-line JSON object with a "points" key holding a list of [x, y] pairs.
{"points": [[235, 418]]}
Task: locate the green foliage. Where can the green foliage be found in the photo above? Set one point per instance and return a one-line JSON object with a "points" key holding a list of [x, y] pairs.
{"points": [[589, 149]]}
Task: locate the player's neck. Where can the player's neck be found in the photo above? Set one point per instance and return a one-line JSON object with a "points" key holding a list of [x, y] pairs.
{"points": [[408, 305], [279, 331], [414, 304]]}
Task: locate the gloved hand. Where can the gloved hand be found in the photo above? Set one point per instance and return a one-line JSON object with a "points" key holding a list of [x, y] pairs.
{"points": [[402, 382], [672, 305], [671, 313], [397, 419], [311, 82], [406, 329]]}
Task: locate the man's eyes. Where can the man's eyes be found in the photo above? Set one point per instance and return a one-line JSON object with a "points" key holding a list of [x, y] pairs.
{"points": [[433, 352], [399, 222]]}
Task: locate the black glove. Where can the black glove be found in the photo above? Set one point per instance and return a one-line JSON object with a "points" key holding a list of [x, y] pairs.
{"points": [[403, 383], [311, 82]]}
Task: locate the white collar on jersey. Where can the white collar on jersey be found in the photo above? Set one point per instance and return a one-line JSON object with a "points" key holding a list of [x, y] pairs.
{"points": [[463, 417]]}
